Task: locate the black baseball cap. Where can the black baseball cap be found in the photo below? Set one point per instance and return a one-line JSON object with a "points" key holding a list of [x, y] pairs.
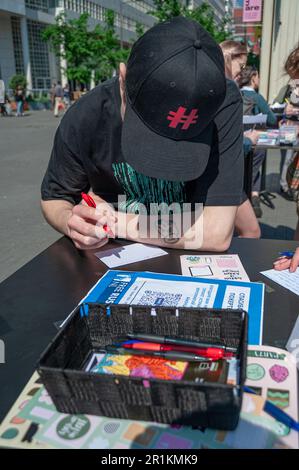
{"points": [[175, 84]]}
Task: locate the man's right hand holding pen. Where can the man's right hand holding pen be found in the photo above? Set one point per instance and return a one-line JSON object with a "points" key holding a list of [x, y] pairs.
{"points": [[91, 227]]}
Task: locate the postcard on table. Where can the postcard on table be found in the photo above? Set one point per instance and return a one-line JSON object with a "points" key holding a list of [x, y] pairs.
{"points": [[284, 278], [129, 254], [227, 267]]}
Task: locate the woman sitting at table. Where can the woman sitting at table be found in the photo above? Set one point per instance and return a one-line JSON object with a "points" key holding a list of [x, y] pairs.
{"points": [[289, 94], [285, 262], [254, 103], [235, 58]]}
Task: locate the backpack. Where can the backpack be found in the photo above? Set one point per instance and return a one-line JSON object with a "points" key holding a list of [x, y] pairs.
{"points": [[249, 104]]}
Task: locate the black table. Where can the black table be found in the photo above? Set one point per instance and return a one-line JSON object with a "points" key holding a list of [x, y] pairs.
{"points": [[46, 289]]}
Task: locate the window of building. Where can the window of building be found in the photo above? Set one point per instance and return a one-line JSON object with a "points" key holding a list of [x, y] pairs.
{"points": [[39, 55], [17, 44], [37, 4]]}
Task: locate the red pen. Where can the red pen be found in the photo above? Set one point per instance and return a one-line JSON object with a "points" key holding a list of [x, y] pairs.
{"points": [[209, 353], [90, 202]]}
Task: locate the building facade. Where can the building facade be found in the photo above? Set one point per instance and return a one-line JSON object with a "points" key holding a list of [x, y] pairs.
{"points": [[249, 33], [22, 50], [280, 38]]}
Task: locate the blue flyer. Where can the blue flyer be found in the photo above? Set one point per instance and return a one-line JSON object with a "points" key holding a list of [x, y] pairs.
{"points": [[145, 288]]}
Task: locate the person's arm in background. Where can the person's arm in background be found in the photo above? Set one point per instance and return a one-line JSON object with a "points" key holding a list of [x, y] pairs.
{"points": [[287, 263], [250, 138], [280, 98], [265, 109]]}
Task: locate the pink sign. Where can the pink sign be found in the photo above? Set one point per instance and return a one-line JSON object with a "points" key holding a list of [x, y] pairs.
{"points": [[252, 11]]}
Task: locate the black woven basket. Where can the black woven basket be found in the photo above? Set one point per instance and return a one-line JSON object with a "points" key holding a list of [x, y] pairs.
{"points": [[75, 391]]}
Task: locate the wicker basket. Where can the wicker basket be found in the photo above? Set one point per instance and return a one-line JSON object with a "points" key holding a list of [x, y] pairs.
{"points": [[75, 391]]}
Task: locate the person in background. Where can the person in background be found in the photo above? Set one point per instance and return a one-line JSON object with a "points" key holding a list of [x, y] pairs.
{"points": [[287, 263], [52, 95], [254, 103], [19, 98], [289, 95], [235, 58], [66, 96], [58, 95], [2, 99]]}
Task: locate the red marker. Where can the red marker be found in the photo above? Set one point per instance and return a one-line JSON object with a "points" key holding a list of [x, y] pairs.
{"points": [[209, 353], [90, 202]]}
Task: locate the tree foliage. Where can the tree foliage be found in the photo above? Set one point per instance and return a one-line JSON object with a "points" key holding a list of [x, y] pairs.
{"points": [[18, 80], [85, 51], [203, 14], [97, 52]]}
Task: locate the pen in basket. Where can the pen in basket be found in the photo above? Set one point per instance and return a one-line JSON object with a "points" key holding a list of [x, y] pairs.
{"points": [[170, 355], [179, 341]]}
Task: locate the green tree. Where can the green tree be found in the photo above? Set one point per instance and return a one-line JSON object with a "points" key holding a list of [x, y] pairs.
{"points": [[70, 40], [86, 51], [139, 30], [204, 14], [167, 9], [16, 81], [106, 50]]}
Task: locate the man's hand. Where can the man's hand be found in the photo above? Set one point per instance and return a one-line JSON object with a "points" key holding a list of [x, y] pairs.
{"points": [[291, 110], [284, 263], [91, 228], [253, 136]]}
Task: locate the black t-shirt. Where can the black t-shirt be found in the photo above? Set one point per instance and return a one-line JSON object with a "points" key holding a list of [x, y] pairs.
{"points": [[87, 155]]}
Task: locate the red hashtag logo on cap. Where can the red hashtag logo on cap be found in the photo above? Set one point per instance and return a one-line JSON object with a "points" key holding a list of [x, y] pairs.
{"points": [[179, 117]]}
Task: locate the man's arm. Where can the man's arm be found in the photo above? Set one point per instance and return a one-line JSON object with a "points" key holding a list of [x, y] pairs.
{"points": [[211, 231]]}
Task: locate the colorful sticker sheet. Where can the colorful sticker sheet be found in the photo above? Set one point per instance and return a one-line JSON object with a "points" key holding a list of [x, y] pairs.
{"points": [[33, 421]]}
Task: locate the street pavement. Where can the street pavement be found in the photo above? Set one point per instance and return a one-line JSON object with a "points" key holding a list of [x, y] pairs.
{"points": [[24, 153]]}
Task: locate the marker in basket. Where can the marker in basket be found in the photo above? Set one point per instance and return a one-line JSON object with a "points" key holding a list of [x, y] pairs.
{"points": [[90, 202], [170, 355], [209, 353], [178, 341]]}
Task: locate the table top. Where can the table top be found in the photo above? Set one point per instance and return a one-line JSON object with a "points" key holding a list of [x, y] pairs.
{"points": [[295, 148], [48, 288]]}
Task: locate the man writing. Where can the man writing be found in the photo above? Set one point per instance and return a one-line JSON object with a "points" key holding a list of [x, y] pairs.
{"points": [[167, 131]]}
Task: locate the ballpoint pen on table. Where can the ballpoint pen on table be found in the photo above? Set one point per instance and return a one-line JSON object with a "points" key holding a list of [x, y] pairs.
{"points": [[287, 254]]}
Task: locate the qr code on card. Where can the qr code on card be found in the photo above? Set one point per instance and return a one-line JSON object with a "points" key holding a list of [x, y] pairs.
{"points": [[156, 298]]}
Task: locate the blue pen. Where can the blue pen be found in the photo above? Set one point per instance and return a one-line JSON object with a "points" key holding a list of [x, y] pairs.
{"points": [[288, 254], [276, 412]]}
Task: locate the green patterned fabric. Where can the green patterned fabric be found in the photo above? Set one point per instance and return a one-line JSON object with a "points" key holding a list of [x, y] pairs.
{"points": [[141, 189]]}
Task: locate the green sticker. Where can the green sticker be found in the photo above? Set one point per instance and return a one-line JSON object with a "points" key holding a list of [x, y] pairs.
{"points": [[73, 427], [255, 372], [10, 433]]}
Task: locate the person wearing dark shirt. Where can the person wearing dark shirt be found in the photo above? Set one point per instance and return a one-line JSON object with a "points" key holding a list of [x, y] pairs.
{"points": [[167, 131], [235, 57], [249, 85]]}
